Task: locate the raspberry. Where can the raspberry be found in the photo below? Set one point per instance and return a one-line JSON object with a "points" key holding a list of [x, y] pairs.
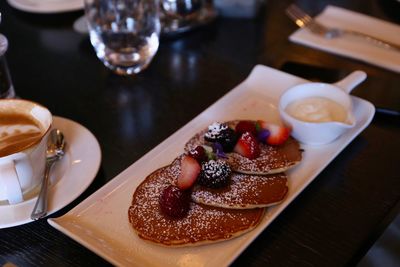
{"points": [[246, 126], [199, 154], [175, 202], [214, 174]]}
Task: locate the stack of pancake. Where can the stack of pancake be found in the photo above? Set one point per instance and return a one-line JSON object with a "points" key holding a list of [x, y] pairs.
{"points": [[215, 214]]}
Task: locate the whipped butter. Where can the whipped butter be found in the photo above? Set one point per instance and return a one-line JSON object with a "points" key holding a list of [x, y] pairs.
{"points": [[317, 109]]}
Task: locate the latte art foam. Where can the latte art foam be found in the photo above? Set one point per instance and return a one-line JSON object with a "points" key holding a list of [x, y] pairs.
{"points": [[17, 132]]}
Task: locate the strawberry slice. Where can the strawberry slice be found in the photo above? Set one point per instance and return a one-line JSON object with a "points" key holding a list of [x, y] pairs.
{"points": [[278, 134], [247, 146], [246, 126], [190, 169]]}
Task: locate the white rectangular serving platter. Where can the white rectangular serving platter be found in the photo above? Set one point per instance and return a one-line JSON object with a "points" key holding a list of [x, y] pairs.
{"points": [[101, 223]]}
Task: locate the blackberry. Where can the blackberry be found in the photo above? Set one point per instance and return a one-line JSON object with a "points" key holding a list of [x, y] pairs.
{"points": [[227, 139], [214, 174], [221, 133], [214, 131]]}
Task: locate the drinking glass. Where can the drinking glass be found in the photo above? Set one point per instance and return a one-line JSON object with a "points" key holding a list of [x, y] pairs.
{"points": [[6, 86], [180, 15], [124, 33]]}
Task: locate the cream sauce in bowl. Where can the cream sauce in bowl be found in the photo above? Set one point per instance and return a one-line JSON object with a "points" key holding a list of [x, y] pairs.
{"points": [[319, 113], [317, 109]]}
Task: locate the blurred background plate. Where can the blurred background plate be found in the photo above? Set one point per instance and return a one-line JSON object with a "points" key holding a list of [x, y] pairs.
{"points": [[46, 6]]}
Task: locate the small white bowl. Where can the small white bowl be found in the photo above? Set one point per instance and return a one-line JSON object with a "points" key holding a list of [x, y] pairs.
{"points": [[318, 133]]}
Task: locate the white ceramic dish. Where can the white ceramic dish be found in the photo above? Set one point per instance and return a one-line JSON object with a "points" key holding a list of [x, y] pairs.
{"points": [[46, 6], [69, 178], [319, 133], [101, 223]]}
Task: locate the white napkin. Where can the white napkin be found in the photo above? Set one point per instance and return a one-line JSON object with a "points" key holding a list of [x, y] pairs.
{"points": [[354, 47]]}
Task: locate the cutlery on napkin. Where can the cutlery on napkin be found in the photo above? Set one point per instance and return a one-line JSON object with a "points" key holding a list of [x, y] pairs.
{"points": [[355, 48]]}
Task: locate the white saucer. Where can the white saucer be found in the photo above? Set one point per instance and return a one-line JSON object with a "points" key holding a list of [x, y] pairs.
{"points": [[70, 177], [46, 6]]}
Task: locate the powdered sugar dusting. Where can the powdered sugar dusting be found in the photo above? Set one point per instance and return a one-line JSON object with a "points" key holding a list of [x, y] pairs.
{"points": [[269, 159]]}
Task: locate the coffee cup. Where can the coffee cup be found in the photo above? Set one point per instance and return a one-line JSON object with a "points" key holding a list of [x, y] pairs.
{"points": [[24, 128]]}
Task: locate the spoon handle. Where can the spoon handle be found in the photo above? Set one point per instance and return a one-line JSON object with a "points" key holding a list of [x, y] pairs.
{"points": [[40, 209]]}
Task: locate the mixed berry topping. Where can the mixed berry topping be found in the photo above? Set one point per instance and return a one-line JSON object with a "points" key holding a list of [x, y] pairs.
{"points": [[214, 174], [205, 165], [245, 139], [175, 202]]}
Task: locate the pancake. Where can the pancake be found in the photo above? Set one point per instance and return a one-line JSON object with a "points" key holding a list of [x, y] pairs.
{"points": [[202, 225], [244, 192], [272, 159]]}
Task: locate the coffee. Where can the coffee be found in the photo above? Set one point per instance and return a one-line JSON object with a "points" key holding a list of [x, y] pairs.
{"points": [[24, 128], [18, 131]]}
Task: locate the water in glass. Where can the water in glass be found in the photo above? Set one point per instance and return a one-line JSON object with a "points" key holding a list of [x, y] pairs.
{"points": [[124, 33]]}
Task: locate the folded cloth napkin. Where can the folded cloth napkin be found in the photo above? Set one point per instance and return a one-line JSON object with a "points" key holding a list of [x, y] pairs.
{"points": [[354, 47]]}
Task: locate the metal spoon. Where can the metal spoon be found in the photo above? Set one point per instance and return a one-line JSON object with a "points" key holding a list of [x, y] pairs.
{"points": [[55, 151]]}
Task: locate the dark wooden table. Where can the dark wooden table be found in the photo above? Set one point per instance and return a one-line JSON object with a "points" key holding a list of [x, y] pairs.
{"points": [[332, 223]]}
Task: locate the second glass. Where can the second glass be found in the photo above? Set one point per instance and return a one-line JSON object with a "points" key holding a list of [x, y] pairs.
{"points": [[124, 33], [6, 86]]}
